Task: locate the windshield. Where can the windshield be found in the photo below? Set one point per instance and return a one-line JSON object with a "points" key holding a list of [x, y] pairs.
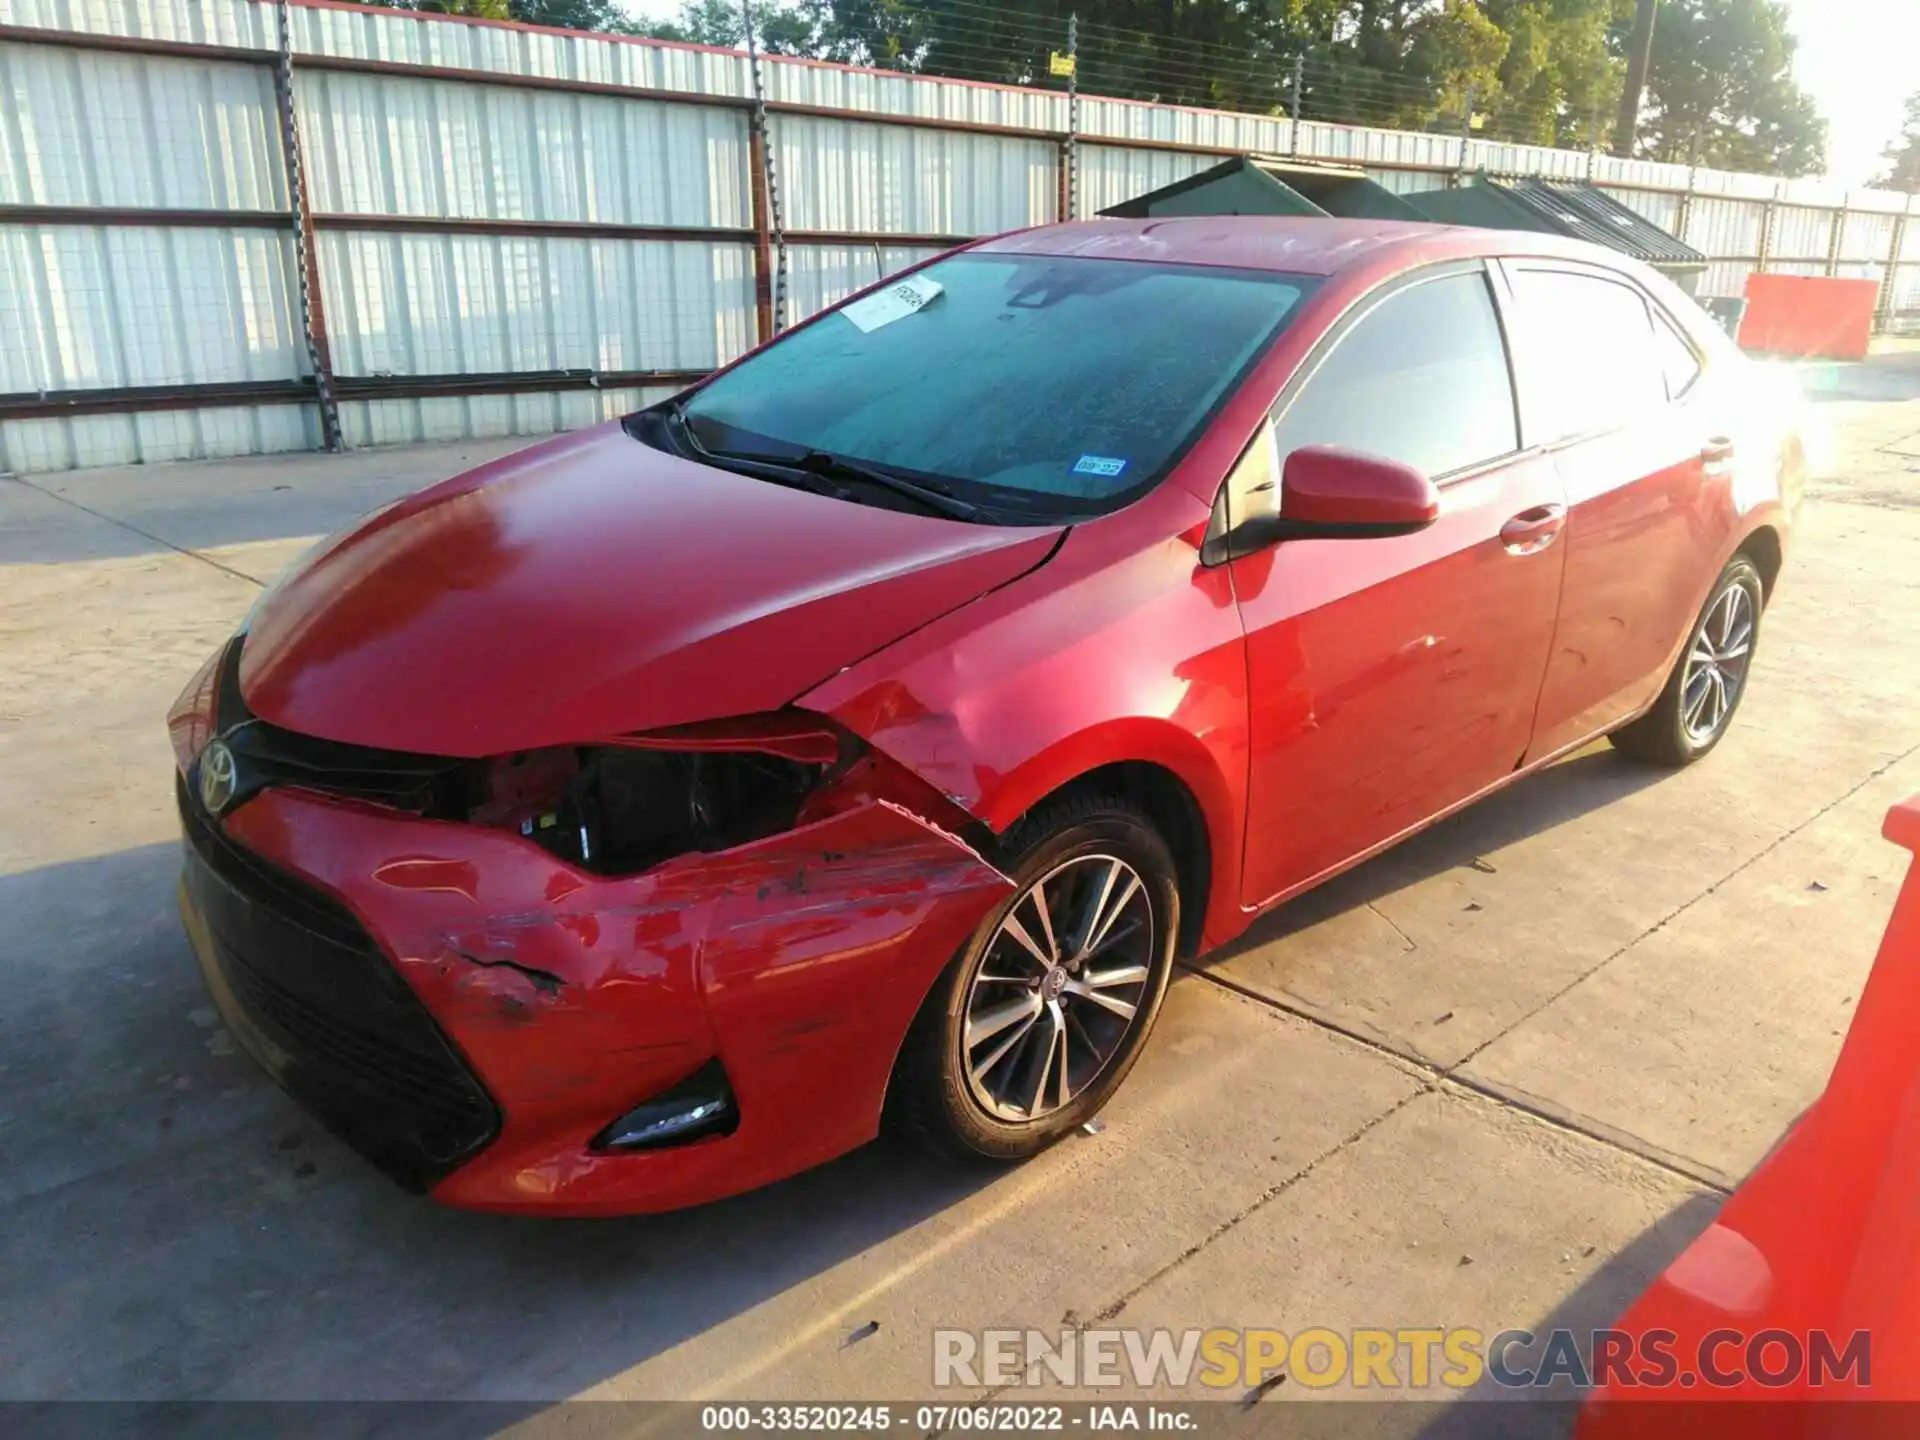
{"points": [[1059, 384]]}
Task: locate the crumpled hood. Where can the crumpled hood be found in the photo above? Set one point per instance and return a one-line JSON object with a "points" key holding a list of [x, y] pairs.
{"points": [[593, 586]]}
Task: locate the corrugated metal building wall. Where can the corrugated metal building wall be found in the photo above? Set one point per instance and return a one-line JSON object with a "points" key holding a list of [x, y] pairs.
{"points": [[516, 231]]}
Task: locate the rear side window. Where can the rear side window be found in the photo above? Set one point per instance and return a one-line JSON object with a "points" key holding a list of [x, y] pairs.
{"points": [[1422, 378], [1591, 365]]}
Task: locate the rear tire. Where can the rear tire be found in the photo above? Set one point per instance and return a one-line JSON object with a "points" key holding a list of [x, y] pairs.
{"points": [[1708, 680], [1038, 1019]]}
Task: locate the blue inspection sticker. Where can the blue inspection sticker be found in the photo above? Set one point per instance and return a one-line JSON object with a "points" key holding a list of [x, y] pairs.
{"points": [[1105, 465]]}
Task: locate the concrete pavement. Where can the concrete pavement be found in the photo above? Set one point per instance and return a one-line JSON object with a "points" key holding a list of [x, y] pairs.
{"points": [[1501, 1073]]}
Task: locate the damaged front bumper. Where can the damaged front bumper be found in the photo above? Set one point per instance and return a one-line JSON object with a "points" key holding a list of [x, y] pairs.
{"points": [[471, 1012]]}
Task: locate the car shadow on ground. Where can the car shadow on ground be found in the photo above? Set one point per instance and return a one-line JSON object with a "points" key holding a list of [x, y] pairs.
{"points": [[1892, 376], [1590, 780], [156, 1187], [155, 1184], [1493, 1412]]}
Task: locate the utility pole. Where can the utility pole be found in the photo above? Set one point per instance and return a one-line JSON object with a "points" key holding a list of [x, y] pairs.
{"points": [[1639, 56], [1073, 115], [1293, 108]]}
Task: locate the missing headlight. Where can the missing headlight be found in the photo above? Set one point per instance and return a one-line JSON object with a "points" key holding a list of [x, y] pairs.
{"points": [[620, 809]]}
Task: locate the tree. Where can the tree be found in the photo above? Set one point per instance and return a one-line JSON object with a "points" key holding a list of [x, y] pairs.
{"points": [[1721, 90], [479, 9], [603, 15], [1559, 83], [562, 14], [1903, 155]]}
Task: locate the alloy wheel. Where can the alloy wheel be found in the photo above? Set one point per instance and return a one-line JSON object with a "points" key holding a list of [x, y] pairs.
{"points": [[1058, 987], [1717, 665]]}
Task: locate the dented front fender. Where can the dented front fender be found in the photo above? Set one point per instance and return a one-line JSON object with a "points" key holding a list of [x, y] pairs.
{"points": [[798, 961]]}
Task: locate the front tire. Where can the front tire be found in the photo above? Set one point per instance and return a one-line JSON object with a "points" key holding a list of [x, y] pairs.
{"points": [[1039, 1018], [1709, 680]]}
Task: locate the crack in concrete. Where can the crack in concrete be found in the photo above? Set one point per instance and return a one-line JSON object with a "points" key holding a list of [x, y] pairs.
{"points": [[1264, 1198], [1444, 1077], [160, 540], [1439, 1078], [1410, 942], [1684, 906]]}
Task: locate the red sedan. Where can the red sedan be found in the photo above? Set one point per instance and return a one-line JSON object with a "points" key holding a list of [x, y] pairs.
{"points": [[864, 732]]}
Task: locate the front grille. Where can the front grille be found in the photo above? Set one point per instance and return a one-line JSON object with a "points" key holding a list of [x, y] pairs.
{"points": [[434, 785], [326, 1013]]}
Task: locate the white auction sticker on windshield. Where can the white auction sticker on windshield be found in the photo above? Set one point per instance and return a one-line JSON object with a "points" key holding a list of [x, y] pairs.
{"points": [[899, 299]]}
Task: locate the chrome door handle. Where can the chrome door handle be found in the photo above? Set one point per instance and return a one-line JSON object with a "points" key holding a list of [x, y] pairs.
{"points": [[1533, 530]]}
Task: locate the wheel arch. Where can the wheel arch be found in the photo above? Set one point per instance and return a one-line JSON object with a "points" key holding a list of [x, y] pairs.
{"points": [[1171, 776], [1766, 548]]}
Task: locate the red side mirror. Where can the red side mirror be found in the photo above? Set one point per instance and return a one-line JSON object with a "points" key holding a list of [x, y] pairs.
{"points": [[1334, 492]]}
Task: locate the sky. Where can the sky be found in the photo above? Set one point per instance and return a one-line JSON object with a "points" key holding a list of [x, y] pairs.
{"points": [[1859, 59]]}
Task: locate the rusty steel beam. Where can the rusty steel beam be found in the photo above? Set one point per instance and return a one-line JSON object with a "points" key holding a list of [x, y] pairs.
{"points": [[506, 382], [32, 405], [762, 231], [133, 45], [558, 229], [122, 215]]}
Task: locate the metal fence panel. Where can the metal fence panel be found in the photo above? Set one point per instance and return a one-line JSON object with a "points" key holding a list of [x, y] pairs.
{"points": [[383, 145], [886, 92], [1385, 148], [413, 304], [242, 24], [1406, 182], [151, 436], [504, 132], [1109, 174], [95, 307], [844, 176], [1177, 125], [399, 37], [1654, 205], [472, 417], [1724, 228], [92, 128], [1801, 234], [1866, 237], [820, 275]]}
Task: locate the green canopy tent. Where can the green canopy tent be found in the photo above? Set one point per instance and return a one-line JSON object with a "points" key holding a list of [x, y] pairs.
{"points": [[1563, 207], [1271, 185]]}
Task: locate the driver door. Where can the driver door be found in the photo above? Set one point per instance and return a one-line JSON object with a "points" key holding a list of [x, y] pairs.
{"points": [[1394, 678]]}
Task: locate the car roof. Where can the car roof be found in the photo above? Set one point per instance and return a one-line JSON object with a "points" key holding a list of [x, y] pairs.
{"points": [[1296, 244]]}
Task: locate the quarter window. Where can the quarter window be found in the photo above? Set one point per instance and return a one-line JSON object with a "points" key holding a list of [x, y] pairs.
{"points": [[1678, 364], [1422, 378], [1591, 365]]}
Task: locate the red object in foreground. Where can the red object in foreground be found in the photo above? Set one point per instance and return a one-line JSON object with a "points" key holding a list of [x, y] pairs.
{"points": [[1823, 1238], [623, 823], [1808, 316]]}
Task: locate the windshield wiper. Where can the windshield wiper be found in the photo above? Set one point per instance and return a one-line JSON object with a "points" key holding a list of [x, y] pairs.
{"points": [[836, 467], [819, 465]]}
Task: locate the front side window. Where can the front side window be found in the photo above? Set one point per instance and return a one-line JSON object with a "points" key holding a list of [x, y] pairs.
{"points": [[1059, 385], [1422, 378], [1591, 365]]}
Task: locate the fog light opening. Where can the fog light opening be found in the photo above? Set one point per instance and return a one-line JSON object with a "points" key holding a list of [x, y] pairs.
{"points": [[692, 1109]]}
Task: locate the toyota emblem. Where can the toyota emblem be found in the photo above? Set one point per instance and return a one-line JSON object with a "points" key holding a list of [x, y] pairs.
{"points": [[218, 775]]}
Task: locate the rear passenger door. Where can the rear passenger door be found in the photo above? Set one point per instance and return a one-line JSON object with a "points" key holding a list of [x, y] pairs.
{"points": [[1606, 385], [1394, 678]]}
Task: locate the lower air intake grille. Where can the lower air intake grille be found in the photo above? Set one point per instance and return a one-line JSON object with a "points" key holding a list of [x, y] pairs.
{"points": [[324, 1011]]}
